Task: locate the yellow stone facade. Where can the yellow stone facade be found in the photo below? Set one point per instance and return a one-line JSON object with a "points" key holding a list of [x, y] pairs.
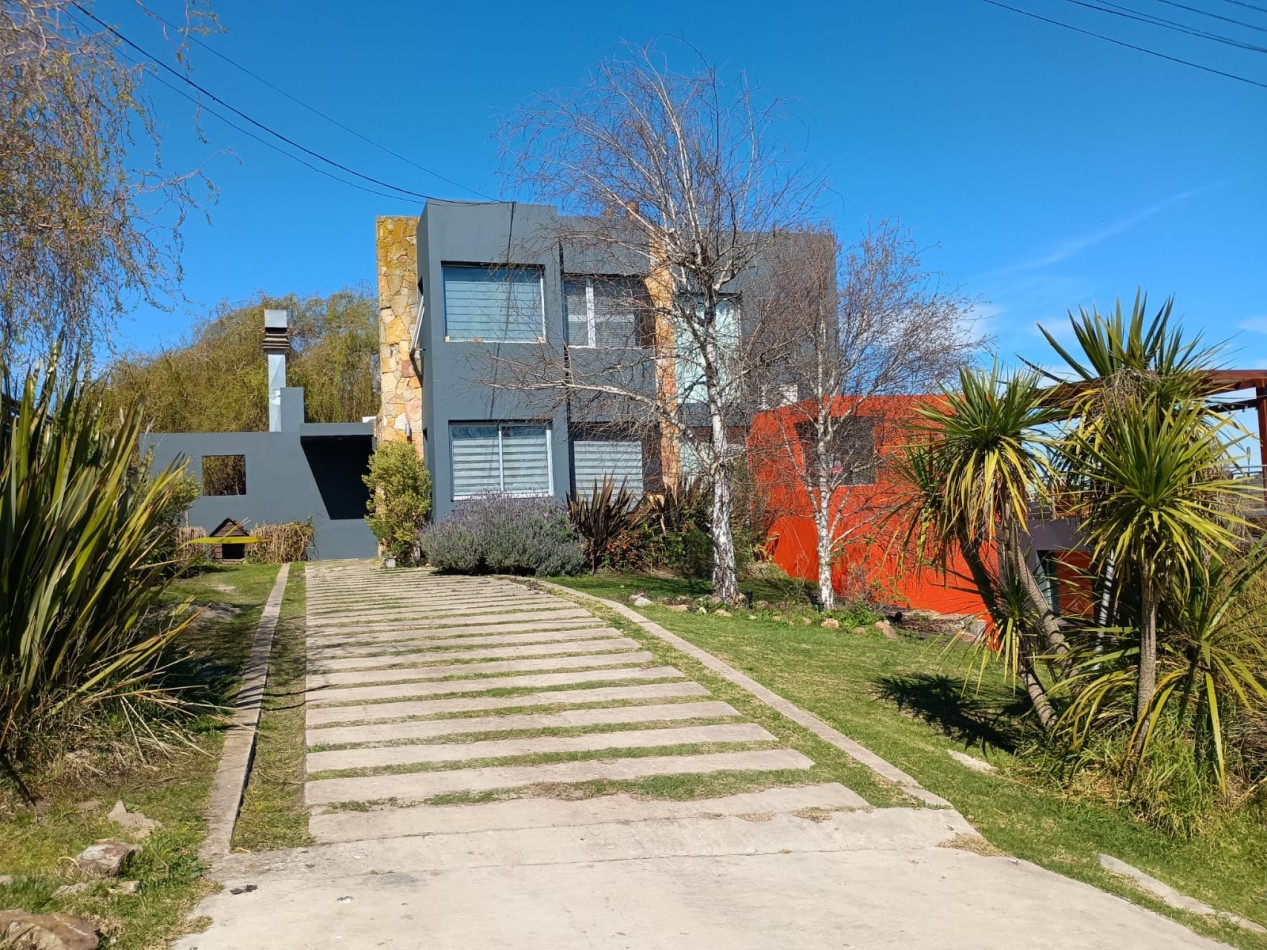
{"points": [[400, 408]]}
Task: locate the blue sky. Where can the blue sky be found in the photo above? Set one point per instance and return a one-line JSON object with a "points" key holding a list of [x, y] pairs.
{"points": [[1043, 169]]}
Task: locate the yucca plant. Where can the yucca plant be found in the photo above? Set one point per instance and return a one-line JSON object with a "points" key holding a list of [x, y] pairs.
{"points": [[602, 516], [82, 614]]}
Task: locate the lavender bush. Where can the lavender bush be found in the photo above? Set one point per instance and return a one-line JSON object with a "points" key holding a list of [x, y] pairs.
{"points": [[499, 534]]}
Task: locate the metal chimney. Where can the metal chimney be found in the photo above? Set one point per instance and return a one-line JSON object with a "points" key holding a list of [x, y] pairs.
{"points": [[276, 346]]}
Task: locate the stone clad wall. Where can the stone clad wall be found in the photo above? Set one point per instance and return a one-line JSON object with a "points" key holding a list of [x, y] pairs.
{"points": [[400, 410]]}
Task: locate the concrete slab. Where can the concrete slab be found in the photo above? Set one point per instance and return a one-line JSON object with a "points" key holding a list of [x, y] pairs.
{"points": [[439, 643], [427, 634], [339, 618], [416, 786], [416, 657], [358, 678], [434, 728], [325, 715], [359, 694], [388, 755], [336, 826], [386, 896], [540, 618], [1177, 899]]}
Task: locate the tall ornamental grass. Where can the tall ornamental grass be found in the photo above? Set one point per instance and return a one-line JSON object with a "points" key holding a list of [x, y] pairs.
{"points": [[82, 613]]}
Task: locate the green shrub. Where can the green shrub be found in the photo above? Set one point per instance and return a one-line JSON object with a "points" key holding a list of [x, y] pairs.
{"points": [[400, 500], [185, 492], [498, 534], [82, 614]]}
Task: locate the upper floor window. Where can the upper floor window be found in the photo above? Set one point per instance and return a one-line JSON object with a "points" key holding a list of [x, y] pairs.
{"points": [[493, 303], [689, 371], [606, 311]]}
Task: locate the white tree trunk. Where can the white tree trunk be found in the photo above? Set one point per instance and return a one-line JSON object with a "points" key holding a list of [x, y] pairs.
{"points": [[822, 528]]}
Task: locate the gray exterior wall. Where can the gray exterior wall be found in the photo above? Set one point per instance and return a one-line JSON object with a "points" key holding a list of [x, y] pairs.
{"points": [[305, 471], [460, 379]]}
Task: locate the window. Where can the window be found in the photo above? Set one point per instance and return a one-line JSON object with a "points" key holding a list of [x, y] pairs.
{"points": [[224, 474], [493, 304], [689, 371], [1048, 579], [595, 459], [853, 456], [514, 459], [605, 311]]}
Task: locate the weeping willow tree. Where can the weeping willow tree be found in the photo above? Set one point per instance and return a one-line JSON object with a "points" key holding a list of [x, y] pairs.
{"points": [[215, 381], [90, 220]]}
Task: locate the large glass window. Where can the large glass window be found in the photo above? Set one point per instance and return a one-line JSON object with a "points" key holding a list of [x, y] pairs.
{"points": [[605, 311], [595, 459], [494, 304], [689, 368], [490, 458]]}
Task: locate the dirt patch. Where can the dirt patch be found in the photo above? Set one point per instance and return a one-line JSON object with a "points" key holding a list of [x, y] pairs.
{"points": [[974, 843]]}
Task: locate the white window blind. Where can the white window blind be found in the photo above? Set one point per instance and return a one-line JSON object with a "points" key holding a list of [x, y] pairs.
{"points": [[514, 459], [604, 311], [496, 304], [593, 460]]}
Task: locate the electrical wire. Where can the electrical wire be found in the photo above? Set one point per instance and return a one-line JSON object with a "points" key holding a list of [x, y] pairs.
{"points": [[238, 112], [315, 111], [1216, 16], [1250, 6], [1129, 13], [1123, 43]]}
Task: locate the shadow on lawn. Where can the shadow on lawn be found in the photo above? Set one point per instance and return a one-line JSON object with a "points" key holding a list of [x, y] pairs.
{"points": [[992, 717]]}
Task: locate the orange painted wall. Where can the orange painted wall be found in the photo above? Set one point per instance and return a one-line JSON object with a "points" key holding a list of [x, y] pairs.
{"points": [[871, 558]]}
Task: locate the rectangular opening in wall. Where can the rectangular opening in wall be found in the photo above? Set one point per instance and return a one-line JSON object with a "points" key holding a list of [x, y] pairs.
{"points": [[513, 459], [598, 456], [607, 311], [493, 303], [224, 474]]}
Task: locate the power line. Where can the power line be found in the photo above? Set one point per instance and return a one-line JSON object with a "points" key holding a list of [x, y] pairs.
{"points": [[1251, 6], [238, 112], [1117, 42], [247, 132], [1216, 16], [1129, 13], [317, 112]]}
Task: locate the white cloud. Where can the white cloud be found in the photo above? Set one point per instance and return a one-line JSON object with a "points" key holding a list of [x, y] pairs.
{"points": [[1254, 324]]}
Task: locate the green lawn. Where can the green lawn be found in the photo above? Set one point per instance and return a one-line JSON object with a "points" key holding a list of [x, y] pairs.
{"points": [[904, 699], [35, 846]]}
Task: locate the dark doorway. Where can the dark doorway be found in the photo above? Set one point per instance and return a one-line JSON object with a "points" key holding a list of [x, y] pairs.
{"points": [[338, 464]]}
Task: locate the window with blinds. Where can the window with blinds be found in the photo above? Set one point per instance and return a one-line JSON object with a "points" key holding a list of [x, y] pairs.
{"points": [[605, 311], [494, 304], [500, 458], [594, 460]]}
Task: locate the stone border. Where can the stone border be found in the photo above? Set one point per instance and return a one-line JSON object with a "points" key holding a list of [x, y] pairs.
{"points": [[239, 744], [885, 770], [1173, 898]]}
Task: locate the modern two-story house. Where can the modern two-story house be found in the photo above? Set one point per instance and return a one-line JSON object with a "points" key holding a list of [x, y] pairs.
{"points": [[476, 299]]}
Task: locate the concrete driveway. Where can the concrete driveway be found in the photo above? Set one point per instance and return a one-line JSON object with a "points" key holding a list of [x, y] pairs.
{"points": [[460, 732]]}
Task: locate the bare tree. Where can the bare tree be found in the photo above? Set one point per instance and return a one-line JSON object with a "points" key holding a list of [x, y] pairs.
{"points": [[86, 224], [876, 324], [675, 178]]}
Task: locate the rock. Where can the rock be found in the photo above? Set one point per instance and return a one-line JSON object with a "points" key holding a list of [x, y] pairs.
{"points": [[640, 600], [6, 880], [70, 890], [831, 623], [133, 821], [701, 610], [126, 887], [972, 762], [859, 629], [886, 628], [752, 616], [777, 618], [723, 613], [761, 604], [106, 858], [22, 931], [679, 608]]}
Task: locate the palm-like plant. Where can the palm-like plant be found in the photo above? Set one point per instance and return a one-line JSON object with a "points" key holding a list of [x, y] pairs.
{"points": [[602, 516], [81, 587], [971, 482], [1160, 510]]}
